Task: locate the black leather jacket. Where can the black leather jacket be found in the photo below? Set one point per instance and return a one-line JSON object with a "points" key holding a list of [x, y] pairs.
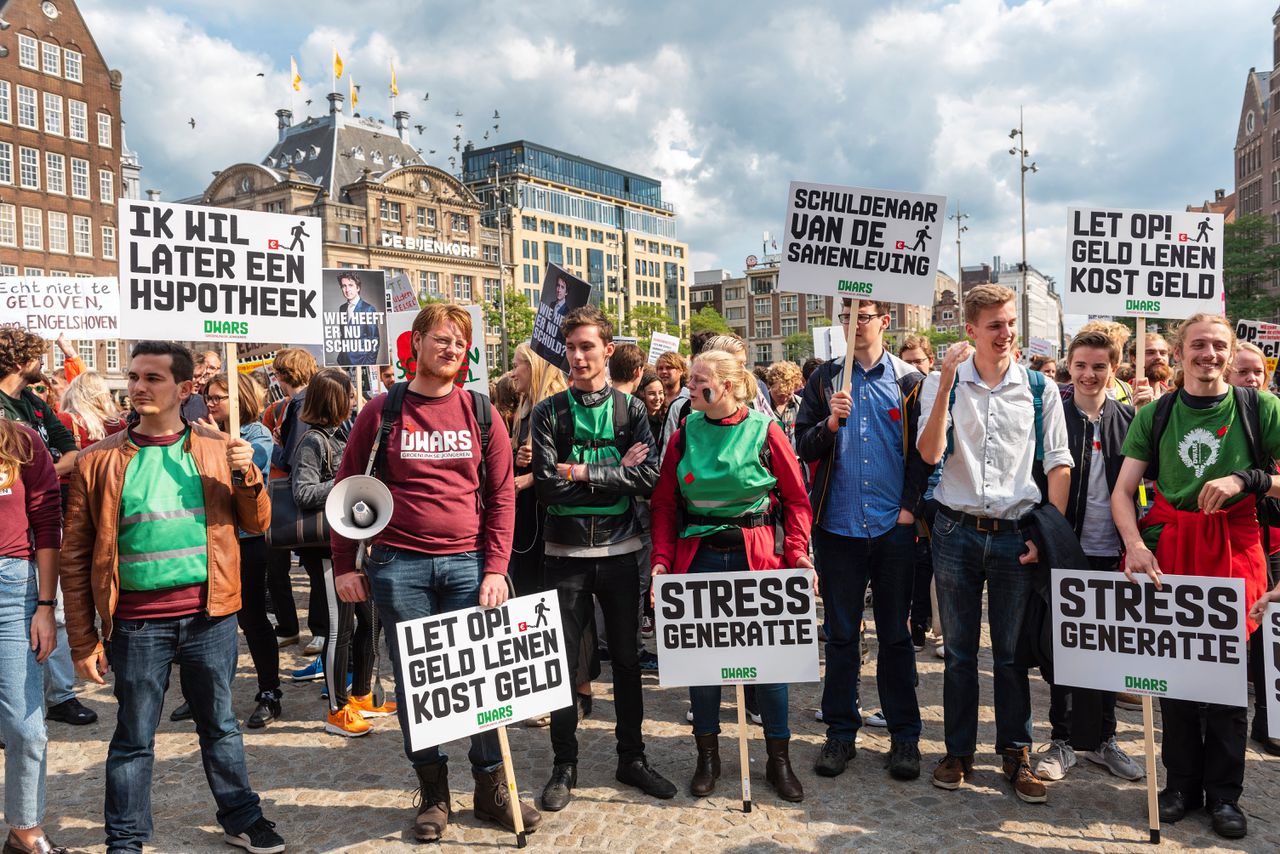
{"points": [[1113, 426], [604, 483]]}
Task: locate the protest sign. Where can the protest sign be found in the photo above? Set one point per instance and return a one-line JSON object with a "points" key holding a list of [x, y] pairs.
{"points": [[1271, 666], [725, 628], [403, 296], [1186, 641], [218, 274], [474, 373], [861, 243], [561, 293], [1134, 263], [626, 339], [660, 343], [471, 670], [48, 306], [1040, 347], [355, 328], [1265, 335], [828, 342]]}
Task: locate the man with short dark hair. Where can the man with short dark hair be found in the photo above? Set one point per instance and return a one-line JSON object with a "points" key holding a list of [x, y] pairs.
{"points": [[626, 366], [153, 550], [593, 456], [358, 313]]}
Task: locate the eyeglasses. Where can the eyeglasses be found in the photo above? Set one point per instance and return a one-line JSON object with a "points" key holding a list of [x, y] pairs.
{"points": [[216, 398], [917, 362], [863, 319]]}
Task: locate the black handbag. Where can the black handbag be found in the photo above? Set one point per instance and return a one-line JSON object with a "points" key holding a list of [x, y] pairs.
{"points": [[292, 527]]}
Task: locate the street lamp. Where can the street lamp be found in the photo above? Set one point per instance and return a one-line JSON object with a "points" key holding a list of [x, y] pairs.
{"points": [[1022, 154], [960, 229], [502, 284]]}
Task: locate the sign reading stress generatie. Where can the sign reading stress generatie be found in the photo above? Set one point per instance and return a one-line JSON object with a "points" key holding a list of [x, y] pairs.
{"points": [[189, 272]]}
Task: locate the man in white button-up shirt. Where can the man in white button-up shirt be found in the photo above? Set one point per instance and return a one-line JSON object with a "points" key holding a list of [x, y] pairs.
{"points": [[989, 482]]}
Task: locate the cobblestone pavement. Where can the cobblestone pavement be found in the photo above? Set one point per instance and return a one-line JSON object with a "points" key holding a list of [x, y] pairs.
{"points": [[331, 794]]}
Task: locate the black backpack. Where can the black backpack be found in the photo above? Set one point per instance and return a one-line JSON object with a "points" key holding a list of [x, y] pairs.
{"points": [[391, 409], [1251, 422], [564, 425]]}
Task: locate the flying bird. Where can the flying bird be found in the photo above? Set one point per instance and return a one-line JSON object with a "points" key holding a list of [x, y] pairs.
{"points": [[261, 74], [420, 128], [426, 96], [458, 114], [308, 102], [192, 122], [432, 151], [495, 115], [486, 134]]}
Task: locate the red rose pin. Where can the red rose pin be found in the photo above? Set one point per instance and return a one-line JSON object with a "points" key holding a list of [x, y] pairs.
{"points": [[1222, 431], [895, 414]]}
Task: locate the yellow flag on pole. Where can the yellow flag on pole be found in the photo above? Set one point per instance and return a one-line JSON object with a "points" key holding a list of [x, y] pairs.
{"points": [[337, 64], [355, 93], [395, 90], [294, 77]]}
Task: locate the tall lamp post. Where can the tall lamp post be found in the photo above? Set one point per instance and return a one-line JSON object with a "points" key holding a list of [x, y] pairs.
{"points": [[961, 228], [502, 283], [1020, 151]]}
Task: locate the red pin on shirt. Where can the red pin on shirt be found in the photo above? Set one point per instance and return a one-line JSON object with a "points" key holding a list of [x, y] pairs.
{"points": [[895, 414], [1222, 431], [688, 478]]}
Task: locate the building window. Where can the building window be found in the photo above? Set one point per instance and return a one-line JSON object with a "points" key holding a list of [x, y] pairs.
{"points": [[83, 236], [762, 305], [548, 227], [459, 222], [79, 178], [27, 52], [764, 328], [422, 217], [491, 290], [5, 115], [351, 233], [529, 223], [107, 188], [788, 326], [462, 287], [52, 55], [1275, 185], [564, 230], [764, 354], [27, 107], [78, 120], [948, 315], [87, 355], [733, 293], [788, 302], [73, 62], [6, 163], [390, 211], [104, 129], [8, 226], [55, 173], [813, 302], [113, 355], [29, 168], [32, 229], [735, 312], [108, 242], [57, 232], [53, 113]]}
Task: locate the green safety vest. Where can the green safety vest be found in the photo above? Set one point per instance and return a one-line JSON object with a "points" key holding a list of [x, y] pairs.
{"points": [[593, 444], [163, 537], [720, 473]]}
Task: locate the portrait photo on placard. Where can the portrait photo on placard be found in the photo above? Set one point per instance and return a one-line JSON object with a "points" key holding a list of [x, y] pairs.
{"points": [[355, 318]]}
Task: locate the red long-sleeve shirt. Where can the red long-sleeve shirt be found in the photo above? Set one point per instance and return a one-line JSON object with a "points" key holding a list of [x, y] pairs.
{"points": [[432, 469], [31, 507], [676, 553]]}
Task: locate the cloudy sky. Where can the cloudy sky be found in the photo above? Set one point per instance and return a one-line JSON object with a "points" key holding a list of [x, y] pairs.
{"points": [[1128, 103]]}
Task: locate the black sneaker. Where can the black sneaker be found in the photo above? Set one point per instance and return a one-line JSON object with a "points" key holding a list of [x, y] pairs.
{"points": [[1228, 822], [917, 637], [834, 757], [904, 760], [71, 712], [559, 789], [182, 713], [583, 702], [638, 773], [268, 710], [753, 706], [260, 838]]}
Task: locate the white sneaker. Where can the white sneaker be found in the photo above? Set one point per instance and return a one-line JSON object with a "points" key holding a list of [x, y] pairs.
{"points": [[313, 647], [1110, 756], [877, 720], [940, 651], [1056, 758]]}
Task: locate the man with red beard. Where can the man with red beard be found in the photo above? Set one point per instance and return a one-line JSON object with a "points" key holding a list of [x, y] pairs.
{"points": [[449, 539]]}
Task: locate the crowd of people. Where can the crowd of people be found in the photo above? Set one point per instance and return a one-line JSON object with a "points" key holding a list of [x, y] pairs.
{"points": [[138, 537]]}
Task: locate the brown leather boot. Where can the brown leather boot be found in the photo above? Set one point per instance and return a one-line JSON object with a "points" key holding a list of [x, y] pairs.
{"points": [[778, 770], [708, 770], [493, 801], [433, 802], [1017, 770]]}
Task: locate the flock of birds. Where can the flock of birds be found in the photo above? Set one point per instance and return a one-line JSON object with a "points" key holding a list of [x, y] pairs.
{"points": [[457, 138]]}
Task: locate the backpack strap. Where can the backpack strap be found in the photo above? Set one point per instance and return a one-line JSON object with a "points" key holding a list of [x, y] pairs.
{"points": [[1251, 423], [621, 422], [563, 425], [391, 408], [484, 419], [1037, 382], [1159, 421]]}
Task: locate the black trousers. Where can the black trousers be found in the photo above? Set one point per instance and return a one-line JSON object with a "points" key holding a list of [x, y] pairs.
{"points": [[258, 633], [1203, 748], [921, 600], [350, 642], [312, 561], [614, 581], [1257, 669], [281, 588], [1084, 717]]}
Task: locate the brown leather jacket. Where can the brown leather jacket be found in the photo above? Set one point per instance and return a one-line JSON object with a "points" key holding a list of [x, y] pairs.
{"points": [[89, 569]]}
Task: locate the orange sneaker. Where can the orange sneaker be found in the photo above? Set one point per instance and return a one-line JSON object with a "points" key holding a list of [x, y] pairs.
{"points": [[347, 722], [364, 705]]}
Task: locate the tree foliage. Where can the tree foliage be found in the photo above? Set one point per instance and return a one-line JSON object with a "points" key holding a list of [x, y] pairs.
{"points": [[798, 347], [519, 325], [707, 319], [1251, 262]]}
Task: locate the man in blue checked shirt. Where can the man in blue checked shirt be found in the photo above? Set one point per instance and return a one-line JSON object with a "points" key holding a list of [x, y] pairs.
{"points": [[865, 494]]}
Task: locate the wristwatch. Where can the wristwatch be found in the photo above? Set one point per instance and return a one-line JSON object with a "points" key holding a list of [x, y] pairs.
{"points": [[51, 603]]}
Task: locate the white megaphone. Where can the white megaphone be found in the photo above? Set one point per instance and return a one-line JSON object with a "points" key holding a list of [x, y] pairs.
{"points": [[359, 507]]}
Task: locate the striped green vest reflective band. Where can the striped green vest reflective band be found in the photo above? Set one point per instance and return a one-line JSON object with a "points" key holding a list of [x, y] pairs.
{"points": [[592, 444], [720, 474], [163, 537]]}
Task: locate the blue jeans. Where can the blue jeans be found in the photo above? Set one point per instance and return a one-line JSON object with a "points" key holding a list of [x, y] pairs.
{"points": [[21, 697], [59, 672], [141, 652], [963, 560], [845, 565], [409, 586], [772, 700]]}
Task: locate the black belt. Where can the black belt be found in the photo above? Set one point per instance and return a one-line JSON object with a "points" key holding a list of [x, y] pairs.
{"points": [[984, 524], [751, 520]]}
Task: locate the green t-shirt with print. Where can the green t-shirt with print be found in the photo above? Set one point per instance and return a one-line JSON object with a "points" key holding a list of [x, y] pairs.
{"points": [[1199, 445]]}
